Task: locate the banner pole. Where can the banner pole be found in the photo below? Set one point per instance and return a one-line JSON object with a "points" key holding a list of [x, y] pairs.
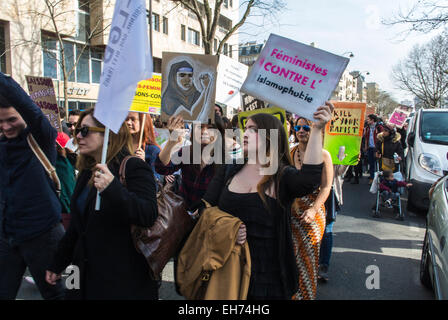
{"points": [[142, 130], [103, 161]]}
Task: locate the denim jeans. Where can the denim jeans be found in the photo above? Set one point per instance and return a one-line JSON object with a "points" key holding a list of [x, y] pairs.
{"points": [[36, 254], [390, 195], [326, 245]]}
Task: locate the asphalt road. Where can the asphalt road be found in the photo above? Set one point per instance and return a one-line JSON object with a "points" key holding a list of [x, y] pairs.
{"points": [[362, 243], [392, 247]]}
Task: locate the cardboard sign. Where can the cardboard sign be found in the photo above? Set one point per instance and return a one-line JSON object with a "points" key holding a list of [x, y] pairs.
{"points": [[294, 76], [398, 117], [343, 134], [41, 91], [148, 97], [231, 75], [188, 86], [250, 103], [275, 111]]}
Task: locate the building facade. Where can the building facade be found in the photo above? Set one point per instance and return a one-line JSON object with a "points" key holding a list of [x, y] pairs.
{"points": [[346, 89], [249, 52], [29, 43]]}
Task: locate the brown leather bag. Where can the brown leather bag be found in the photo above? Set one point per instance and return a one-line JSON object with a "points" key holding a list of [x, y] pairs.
{"points": [[160, 242]]}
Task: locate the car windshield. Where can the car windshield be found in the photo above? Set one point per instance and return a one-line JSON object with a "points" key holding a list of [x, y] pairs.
{"points": [[434, 127]]}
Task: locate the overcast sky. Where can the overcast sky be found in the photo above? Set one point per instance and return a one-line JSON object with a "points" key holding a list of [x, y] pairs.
{"points": [[339, 26]]}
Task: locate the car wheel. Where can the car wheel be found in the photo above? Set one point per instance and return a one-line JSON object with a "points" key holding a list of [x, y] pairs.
{"points": [[425, 278]]}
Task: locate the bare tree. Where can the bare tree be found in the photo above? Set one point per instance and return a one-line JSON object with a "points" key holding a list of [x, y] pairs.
{"points": [[52, 16], [424, 16], [382, 100], [208, 15], [55, 13], [385, 103], [424, 72]]}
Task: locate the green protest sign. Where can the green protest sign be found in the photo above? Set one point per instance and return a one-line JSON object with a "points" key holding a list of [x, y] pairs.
{"points": [[343, 134]]}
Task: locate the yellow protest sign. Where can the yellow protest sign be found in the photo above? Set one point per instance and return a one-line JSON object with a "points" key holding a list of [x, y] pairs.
{"points": [[275, 111], [147, 97]]}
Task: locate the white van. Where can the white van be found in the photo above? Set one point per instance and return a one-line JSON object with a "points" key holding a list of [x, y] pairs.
{"points": [[427, 154]]}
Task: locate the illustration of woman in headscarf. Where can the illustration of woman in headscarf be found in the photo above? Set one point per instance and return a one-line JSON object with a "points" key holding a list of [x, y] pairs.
{"points": [[181, 92]]}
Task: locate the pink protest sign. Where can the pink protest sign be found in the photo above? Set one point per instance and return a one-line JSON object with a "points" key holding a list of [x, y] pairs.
{"points": [[294, 76], [398, 117]]}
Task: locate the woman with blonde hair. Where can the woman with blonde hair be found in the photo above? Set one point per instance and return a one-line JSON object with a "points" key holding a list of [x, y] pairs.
{"points": [[308, 216], [99, 243]]}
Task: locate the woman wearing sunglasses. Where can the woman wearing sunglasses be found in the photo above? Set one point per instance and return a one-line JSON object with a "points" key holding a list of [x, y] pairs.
{"points": [[308, 216], [99, 243]]}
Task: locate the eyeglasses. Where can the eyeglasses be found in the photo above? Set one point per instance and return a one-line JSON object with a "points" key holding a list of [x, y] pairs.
{"points": [[305, 127], [85, 130], [71, 124]]}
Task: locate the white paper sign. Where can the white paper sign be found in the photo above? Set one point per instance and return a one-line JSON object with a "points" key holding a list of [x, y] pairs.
{"points": [[294, 76], [231, 75], [127, 61]]}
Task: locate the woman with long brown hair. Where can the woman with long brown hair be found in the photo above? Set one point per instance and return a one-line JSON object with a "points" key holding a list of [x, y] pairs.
{"points": [[262, 199], [99, 243], [195, 176], [308, 216]]}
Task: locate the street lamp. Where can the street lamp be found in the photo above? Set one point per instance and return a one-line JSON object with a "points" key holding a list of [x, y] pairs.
{"points": [[351, 54], [360, 73]]}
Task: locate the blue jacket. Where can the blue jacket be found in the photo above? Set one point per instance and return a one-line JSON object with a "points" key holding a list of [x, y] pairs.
{"points": [[29, 205]]}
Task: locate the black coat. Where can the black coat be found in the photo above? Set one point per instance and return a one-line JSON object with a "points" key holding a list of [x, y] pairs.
{"points": [[29, 205], [100, 243], [392, 144]]}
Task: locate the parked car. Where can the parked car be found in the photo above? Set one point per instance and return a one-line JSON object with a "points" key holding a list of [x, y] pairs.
{"points": [[434, 261], [427, 154]]}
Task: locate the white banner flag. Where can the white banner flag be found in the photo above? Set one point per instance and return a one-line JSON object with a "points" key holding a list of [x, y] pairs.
{"points": [[127, 61]]}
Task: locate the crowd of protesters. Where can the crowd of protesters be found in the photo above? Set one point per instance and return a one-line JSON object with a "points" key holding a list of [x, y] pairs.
{"points": [[286, 217]]}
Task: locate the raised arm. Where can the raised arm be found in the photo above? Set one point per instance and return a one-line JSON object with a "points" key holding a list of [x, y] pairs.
{"points": [[313, 153], [325, 188], [35, 119], [174, 124]]}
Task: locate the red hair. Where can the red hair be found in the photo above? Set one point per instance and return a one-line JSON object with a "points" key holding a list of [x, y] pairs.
{"points": [[149, 136]]}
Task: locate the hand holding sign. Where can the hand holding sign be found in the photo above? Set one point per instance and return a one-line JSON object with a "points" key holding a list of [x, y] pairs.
{"points": [[176, 124], [323, 115]]}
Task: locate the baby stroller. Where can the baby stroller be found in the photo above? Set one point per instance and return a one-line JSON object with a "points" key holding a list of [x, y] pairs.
{"points": [[380, 202]]}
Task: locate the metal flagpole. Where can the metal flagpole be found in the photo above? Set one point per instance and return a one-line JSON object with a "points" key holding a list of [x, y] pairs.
{"points": [[103, 161]]}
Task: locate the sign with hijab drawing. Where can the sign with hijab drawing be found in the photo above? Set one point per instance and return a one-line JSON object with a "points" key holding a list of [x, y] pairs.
{"points": [[188, 86]]}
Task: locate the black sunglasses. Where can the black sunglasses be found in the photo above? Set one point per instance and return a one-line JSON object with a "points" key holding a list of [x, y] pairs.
{"points": [[305, 127], [71, 124], [85, 130]]}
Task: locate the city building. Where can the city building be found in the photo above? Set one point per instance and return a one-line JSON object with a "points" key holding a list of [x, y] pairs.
{"points": [[29, 41], [249, 52], [373, 89], [346, 89], [361, 88]]}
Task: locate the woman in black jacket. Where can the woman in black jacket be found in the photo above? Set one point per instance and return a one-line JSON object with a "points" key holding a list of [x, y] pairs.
{"points": [[99, 243], [261, 192], [388, 143]]}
